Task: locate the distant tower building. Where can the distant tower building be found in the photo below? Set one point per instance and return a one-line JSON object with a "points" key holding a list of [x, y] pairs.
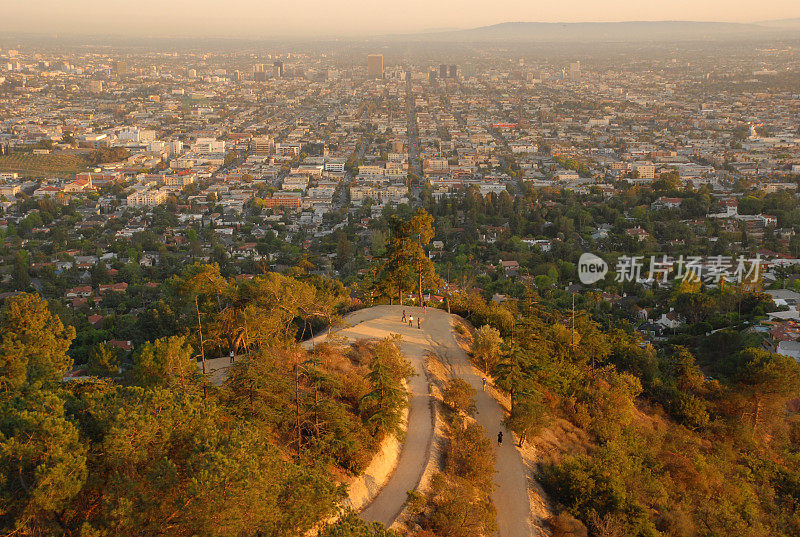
{"points": [[443, 71], [575, 71], [175, 147], [259, 74], [121, 68], [453, 71], [277, 69], [375, 65]]}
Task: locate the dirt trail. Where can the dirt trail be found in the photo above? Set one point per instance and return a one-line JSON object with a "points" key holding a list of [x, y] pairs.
{"points": [[437, 336]]}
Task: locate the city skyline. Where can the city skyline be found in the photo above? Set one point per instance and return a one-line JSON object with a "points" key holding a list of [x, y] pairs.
{"points": [[516, 280], [247, 18]]}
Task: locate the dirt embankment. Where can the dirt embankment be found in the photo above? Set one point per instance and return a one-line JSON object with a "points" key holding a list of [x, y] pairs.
{"points": [[363, 489]]}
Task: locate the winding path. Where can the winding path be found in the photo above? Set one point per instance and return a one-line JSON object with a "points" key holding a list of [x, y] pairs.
{"points": [[437, 336]]}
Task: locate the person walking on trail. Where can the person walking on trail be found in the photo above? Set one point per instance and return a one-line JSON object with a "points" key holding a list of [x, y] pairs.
{"points": [[411, 320], [484, 384], [418, 326], [404, 316], [233, 356], [425, 307], [500, 438]]}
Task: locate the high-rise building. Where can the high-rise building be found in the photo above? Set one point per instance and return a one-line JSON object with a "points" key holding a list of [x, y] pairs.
{"points": [[262, 145], [277, 69], [575, 71], [453, 71], [121, 68], [443, 71], [375, 65]]}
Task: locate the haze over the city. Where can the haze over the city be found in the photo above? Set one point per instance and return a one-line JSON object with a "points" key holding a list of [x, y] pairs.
{"points": [[439, 268], [319, 18]]}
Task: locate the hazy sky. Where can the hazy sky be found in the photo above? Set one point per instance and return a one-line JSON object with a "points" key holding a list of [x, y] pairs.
{"points": [[264, 18]]}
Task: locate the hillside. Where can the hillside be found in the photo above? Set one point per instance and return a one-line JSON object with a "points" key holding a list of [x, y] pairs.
{"points": [[782, 23], [606, 31]]}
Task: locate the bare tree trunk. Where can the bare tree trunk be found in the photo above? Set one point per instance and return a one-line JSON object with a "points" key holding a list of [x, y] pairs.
{"points": [[756, 415], [200, 330], [419, 287], [316, 410], [297, 405], [419, 270]]}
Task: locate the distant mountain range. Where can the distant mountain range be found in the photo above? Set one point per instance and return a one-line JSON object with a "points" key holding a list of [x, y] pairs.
{"points": [[617, 31], [782, 23]]}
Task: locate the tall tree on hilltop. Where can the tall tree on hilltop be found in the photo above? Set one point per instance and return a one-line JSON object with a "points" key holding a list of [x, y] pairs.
{"points": [[406, 262], [421, 232], [394, 272]]}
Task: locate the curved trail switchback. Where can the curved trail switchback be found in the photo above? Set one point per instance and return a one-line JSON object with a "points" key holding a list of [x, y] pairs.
{"points": [[437, 336]]}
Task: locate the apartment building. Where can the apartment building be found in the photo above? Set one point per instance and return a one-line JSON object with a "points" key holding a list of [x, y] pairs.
{"points": [[149, 197]]}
